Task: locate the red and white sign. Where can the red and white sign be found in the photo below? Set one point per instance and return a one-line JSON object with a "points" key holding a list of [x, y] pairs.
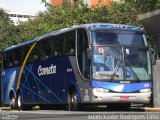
{"points": [[124, 98]]}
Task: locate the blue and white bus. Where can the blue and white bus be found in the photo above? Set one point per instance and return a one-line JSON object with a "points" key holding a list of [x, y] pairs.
{"points": [[83, 64]]}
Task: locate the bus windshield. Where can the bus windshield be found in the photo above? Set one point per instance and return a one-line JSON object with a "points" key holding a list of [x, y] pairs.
{"points": [[127, 61]]}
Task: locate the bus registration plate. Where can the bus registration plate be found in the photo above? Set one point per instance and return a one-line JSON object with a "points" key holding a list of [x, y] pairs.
{"points": [[124, 98]]}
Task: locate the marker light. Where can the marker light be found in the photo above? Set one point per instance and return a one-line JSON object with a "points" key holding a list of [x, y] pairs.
{"points": [[101, 50]]}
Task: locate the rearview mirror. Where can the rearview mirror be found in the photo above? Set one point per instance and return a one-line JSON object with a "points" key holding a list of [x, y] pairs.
{"points": [[89, 53]]}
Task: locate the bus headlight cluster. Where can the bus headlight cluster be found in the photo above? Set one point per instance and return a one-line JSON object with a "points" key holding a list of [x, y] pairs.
{"points": [[145, 90], [104, 90]]}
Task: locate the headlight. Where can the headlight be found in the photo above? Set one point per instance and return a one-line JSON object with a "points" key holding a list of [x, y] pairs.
{"points": [[100, 90], [145, 90]]}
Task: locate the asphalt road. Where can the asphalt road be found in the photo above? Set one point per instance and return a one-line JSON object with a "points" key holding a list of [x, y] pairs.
{"points": [[87, 114]]}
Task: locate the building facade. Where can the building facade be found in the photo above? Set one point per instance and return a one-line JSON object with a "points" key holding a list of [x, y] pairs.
{"points": [[19, 17]]}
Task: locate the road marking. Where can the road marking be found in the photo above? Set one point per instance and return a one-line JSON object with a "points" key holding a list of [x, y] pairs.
{"points": [[152, 109]]}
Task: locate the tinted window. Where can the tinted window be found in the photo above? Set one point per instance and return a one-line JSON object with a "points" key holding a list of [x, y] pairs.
{"points": [[35, 54], [5, 60], [57, 46], [25, 50], [69, 44], [12, 58], [46, 49], [118, 38], [82, 46]]}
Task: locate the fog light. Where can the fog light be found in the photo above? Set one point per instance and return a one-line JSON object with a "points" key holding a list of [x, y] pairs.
{"points": [[145, 90]]}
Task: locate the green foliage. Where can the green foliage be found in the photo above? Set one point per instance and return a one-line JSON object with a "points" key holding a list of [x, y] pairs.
{"points": [[7, 30], [124, 13], [145, 5], [157, 5]]}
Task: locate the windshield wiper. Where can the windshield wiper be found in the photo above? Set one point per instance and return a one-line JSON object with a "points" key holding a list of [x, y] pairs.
{"points": [[116, 69], [129, 66]]}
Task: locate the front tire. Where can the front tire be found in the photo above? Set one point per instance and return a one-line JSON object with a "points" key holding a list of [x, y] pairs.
{"points": [[73, 102]]}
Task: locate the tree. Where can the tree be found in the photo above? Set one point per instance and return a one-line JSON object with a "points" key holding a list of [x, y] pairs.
{"points": [[145, 5], [124, 13], [7, 30]]}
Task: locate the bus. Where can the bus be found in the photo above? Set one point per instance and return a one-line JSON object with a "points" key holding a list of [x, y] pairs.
{"points": [[88, 64]]}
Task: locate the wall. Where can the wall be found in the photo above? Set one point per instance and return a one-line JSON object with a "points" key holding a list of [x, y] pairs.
{"points": [[156, 84]]}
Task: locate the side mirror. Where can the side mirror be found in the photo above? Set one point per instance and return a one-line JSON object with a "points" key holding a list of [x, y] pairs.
{"points": [[89, 53]]}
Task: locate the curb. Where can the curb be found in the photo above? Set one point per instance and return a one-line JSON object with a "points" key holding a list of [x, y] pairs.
{"points": [[4, 108], [152, 109], [8, 108]]}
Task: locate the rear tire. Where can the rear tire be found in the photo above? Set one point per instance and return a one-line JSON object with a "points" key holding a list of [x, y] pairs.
{"points": [[13, 103], [19, 102]]}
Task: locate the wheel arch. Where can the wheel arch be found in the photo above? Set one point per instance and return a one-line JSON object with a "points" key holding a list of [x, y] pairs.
{"points": [[12, 94], [18, 92]]}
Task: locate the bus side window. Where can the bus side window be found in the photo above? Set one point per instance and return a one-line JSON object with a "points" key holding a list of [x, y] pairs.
{"points": [[5, 60], [69, 44], [14, 58], [46, 49], [25, 50], [82, 46], [36, 53], [18, 56], [10, 60], [57, 46]]}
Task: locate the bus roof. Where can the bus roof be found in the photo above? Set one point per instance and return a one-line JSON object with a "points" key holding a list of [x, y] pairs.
{"points": [[93, 26]]}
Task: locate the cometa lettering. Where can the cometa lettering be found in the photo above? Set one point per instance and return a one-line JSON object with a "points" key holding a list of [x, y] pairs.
{"points": [[46, 70]]}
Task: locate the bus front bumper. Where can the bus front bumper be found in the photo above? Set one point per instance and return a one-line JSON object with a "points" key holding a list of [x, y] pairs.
{"points": [[99, 97]]}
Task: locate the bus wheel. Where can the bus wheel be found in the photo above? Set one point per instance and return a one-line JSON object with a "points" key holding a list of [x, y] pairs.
{"points": [[13, 103], [73, 102], [19, 102]]}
